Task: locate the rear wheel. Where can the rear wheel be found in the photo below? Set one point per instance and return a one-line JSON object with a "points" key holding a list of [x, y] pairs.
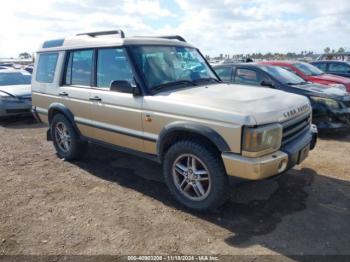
{"points": [[65, 138], [195, 175]]}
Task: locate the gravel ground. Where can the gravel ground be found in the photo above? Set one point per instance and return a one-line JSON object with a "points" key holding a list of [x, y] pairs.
{"points": [[112, 203]]}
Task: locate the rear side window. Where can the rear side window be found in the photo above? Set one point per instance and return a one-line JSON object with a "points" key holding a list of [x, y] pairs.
{"points": [[225, 73], [45, 71], [79, 66]]}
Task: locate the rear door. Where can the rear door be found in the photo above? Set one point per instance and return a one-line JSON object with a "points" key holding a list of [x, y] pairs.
{"points": [[116, 115], [75, 91]]}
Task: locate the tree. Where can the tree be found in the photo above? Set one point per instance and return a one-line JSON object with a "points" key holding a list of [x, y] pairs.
{"points": [[341, 50], [24, 55], [327, 50]]}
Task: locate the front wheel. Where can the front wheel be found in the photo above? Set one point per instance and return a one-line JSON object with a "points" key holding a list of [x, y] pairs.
{"points": [[195, 175], [65, 138]]}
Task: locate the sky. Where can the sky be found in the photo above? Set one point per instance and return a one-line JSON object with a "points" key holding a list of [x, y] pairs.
{"points": [[215, 27]]}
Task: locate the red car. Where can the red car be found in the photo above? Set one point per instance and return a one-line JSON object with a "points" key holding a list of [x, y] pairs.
{"points": [[312, 74]]}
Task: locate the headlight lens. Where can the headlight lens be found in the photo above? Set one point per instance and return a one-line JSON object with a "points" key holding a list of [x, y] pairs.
{"points": [[262, 140], [330, 103], [340, 86]]}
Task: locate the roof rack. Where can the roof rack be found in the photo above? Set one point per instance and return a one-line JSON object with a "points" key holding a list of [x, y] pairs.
{"points": [[112, 32]]}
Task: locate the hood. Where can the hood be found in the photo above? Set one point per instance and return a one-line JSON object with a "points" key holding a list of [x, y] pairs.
{"points": [[16, 90], [313, 89], [234, 103], [332, 78]]}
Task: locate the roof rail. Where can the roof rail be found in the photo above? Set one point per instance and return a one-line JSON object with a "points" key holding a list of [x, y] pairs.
{"points": [[176, 37], [112, 32]]}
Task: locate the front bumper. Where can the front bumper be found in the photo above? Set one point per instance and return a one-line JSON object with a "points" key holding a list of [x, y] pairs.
{"points": [[15, 108], [266, 166]]}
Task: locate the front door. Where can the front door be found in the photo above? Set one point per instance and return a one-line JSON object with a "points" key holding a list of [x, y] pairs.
{"points": [[115, 116]]}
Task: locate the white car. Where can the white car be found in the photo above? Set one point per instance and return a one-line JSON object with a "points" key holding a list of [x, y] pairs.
{"points": [[15, 92]]}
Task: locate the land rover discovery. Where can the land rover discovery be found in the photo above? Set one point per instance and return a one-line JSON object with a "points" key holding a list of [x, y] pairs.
{"points": [[158, 97]]}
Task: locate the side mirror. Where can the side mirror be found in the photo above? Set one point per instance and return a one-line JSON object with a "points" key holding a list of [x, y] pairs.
{"points": [[267, 83], [123, 86]]}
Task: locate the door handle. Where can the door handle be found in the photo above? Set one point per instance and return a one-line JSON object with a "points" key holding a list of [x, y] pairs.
{"points": [[63, 94], [95, 98]]}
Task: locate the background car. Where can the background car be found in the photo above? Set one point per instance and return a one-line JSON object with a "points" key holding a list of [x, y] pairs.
{"points": [[330, 106], [340, 68], [15, 92], [312, 73]]}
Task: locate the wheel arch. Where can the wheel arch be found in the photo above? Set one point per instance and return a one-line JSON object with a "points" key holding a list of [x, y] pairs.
{"points": [[182, 130], [58, 108]]}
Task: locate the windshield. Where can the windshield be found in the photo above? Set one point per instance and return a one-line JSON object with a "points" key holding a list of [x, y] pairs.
{"points": [[308, 69], [16, 78], [163, 65], [283, 75]]}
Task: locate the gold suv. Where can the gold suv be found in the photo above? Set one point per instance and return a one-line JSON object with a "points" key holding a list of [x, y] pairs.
{"points": [[158, 97]]}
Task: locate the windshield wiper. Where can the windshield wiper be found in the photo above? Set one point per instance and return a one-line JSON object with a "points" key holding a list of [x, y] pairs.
{"points": [[172, 84], [296, 84], [206, 79]]}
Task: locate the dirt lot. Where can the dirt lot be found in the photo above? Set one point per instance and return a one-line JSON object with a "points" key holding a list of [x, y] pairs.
{"points": [[112, 203]]}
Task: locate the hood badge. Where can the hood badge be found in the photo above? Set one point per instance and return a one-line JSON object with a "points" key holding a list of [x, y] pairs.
{"points": [[295, 111]]}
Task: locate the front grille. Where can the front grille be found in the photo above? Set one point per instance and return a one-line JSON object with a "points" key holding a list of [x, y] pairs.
{"points": [[17, 111], [295, 127]]}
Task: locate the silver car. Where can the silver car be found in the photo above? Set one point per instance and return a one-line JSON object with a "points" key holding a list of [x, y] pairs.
{"points": [[15, 92]]}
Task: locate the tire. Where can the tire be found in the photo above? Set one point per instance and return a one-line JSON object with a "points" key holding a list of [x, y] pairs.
{"points": [[70, 147], [182, 181]]}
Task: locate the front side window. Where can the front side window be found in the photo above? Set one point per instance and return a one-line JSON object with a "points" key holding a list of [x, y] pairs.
{"points": [[112, 65], [246, 76], [15, 78], [163, 65], [45, 71], [225, 73], [339, 68], [79, 68], [308, 69]]}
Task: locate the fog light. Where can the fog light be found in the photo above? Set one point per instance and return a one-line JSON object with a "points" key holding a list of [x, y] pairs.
{"points": [[282, 165]]}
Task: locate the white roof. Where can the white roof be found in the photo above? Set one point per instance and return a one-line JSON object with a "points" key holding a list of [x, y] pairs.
{"points": [[86, 41]]}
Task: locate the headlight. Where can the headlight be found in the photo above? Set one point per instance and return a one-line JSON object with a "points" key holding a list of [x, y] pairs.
{"points": [[8, 99], [330, 103], [340, 86], [261, 140]]}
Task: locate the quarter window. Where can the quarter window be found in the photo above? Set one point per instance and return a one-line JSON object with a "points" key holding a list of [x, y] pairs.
{"points": [[79, 68], [45, 71], [112, 65], [246, 76]]}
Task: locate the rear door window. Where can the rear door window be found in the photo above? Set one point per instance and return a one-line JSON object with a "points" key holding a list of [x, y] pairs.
{"points": [[45, 71], [79, 68], [246, 76]]}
